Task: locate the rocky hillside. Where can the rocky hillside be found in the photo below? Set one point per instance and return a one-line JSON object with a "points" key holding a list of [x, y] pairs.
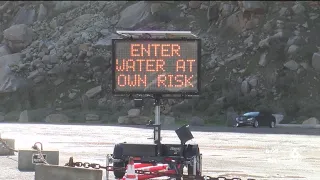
{"points": [[55, 59]]}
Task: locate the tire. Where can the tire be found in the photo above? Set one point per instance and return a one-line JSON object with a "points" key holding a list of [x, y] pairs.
{"points": [[256, 123], [118, 162], [119, 173], [272, 124], [198, 170]]}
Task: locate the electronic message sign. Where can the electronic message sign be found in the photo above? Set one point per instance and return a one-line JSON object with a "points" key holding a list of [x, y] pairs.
{"points": [[156, 66]]}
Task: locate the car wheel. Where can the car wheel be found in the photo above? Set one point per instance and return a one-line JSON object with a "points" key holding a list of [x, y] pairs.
{"points": [[236, 125], [272, 124], [255, 124]]}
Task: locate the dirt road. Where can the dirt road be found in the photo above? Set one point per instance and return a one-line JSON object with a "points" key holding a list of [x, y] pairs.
{"points": [[262, 153]]}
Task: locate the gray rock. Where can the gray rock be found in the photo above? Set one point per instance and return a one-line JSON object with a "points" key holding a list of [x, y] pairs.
{"points": [[195, 4], [253, 93], [264, 43], [33, 74], [38, 79], [124, 120], [134, 15], [158, 7], [313, 16], [59, 69], [35, 115], [316, 61], [113, 7], [24, 16], [58, 82], [8, 81], [46, 59], [225, 9], [253, 6], [106, 42], [235, 22], [93, 92], [4, 50], [24, 118], [245, 87], [304, 65], [311, 121], [293, 49], [196, 121], [292, 65], [298, 8], [57, 118], [284, 11], [234, 57], [92, 117], [139, 120], [134, 112], [168, 120], [68, 56], [62, 6], [294, 40], [42, 13], [72, 95], [248, 41], [253, 81], [213, 12], [18, 37], [53, 58]]}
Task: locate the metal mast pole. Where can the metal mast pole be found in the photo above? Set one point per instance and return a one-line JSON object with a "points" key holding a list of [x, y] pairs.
{"points": [[157, 124]]}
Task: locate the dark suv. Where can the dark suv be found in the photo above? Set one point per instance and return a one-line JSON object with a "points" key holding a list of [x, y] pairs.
{"points": [[256, 119]]}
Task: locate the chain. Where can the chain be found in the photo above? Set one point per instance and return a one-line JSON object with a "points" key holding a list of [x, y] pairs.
{"points": [[35, 147], [108, 168], [5, 145]]}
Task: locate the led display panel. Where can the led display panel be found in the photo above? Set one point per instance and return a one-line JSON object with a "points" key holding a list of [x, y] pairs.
{"points": [[156, 66]]}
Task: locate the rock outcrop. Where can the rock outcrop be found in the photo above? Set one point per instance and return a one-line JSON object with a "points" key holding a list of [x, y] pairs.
{"points": [[255, 55]]}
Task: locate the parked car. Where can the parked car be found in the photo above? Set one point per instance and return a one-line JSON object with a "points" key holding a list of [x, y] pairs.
{"points": [[256, 119]]}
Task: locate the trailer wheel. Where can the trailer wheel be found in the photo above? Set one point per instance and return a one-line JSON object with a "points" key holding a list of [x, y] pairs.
{"points": [[198, 164], [119, 173], [118, 162]]}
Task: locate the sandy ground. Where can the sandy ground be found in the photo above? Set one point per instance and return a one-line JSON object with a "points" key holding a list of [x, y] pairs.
{"points": [[262, 153]]}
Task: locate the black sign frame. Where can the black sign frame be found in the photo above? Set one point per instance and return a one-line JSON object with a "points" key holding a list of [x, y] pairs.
{"points": [[113, 67]]}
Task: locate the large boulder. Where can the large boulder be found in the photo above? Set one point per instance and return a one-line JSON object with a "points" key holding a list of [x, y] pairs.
{"points": [[9, 82], [134, 112], [4, 50], [316, 61], [139, 120], [253, 6], [57, 118], [311, 121], [62, 6], [36, 115], [25, 16], [196, 121], [135, 15], [18, 37], [236, 22], [123, 120]]}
